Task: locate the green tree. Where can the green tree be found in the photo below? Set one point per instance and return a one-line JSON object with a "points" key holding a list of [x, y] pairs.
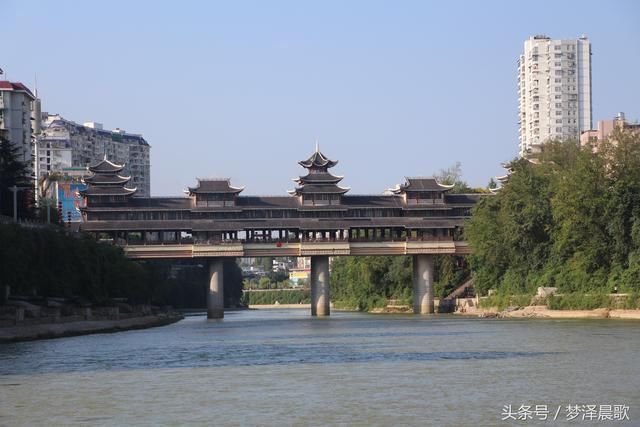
{"points": [[568, 218], [12, 172]]}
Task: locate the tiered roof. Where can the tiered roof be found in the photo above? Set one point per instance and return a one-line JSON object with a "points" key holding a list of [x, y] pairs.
{"points": [[318, 179], [106, 181], [420, 184]]}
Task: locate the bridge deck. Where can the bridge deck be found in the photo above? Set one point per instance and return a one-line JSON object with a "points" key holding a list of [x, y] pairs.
{"points": [[277, 249]]}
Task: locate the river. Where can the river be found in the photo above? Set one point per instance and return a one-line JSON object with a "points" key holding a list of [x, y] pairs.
{"points": [[282, 367]]}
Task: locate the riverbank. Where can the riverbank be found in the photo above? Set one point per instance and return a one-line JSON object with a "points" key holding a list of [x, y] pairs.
{"points": [[84, 327], [542, 312], [271, 306]]}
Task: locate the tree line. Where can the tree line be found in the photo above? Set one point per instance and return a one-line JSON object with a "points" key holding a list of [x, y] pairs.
{"points": [[568, 218], [48, 262]]}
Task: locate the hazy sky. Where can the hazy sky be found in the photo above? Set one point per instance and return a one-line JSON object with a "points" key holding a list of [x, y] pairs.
{"points": [[242, 89]]}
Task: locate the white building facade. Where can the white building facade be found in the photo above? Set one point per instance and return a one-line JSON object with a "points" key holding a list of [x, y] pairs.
{"points": [[554, 88], [64, 144]]}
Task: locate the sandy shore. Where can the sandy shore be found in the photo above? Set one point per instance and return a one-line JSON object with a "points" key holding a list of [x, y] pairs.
{"points": [[541, 311], [68, 329], [269, 306]]}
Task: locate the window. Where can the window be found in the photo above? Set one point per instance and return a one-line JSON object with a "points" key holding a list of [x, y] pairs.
{"points": [[558, 105], [558, 121], [559, 130], [558, 96]]}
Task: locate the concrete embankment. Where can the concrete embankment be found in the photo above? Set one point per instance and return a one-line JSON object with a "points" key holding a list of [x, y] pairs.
{"points": [[83, 327]]}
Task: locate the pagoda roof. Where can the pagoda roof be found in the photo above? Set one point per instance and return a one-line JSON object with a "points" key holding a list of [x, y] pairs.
{"points": [[318, 160], [106, 166], [101, 178], [108, 191], [420, 184], [318, 177], [319, 189], [222, 185]]}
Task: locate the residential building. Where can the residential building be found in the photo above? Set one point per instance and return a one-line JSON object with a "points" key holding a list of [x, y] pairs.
{"points": [[554, 89], [17, 104], [595, 137], [65, 144]]}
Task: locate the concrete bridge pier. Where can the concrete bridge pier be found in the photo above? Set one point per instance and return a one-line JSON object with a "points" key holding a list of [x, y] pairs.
{"points": [[320, 286], [423, 284], [215, 293]]}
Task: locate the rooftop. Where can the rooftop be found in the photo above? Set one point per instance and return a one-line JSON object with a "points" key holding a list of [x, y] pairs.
{"points": [[220, 185], [15, 87]]}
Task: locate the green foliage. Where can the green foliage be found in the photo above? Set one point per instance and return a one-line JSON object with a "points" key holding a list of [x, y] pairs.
{"points": [[282, 296], [579, 301], [13, 172], [363, 283], [46, 262], [570, 219]]}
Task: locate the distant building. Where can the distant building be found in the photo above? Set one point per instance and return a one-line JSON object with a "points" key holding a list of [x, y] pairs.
{"points": [[65, 144], [554, 89], [595, 137], [17, 106]]}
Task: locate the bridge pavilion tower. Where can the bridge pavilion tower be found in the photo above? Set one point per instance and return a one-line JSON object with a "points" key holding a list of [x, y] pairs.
{"points": [[105, 185], [319, 188]]}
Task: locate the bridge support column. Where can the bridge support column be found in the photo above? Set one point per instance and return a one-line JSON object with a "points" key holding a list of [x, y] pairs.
{"points": [[215, 293], [423, 284], [320, 286]]}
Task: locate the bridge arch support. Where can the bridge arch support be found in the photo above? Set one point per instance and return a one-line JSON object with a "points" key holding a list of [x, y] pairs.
{"points": [[320, 296], [215, 292]]}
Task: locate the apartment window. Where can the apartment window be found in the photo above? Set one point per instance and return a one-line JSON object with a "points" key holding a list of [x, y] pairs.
{"points": [[558, 72], [557, 63], [558, 113], [557, 47], [558, 96], [558, 89], [558, 105], [558, 121], [558, 80], [559, 130]]}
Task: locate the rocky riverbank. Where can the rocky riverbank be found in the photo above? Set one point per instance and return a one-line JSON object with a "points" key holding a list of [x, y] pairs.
{"points": [[542, 312], [29, 332]]}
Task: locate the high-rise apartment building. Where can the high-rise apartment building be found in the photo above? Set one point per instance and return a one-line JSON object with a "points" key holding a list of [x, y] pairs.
{"points": [[17, 106], [64, 144], [554, 88]]}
